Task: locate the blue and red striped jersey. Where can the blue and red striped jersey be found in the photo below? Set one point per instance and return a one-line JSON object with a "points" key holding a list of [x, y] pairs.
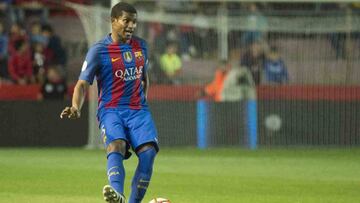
{"points": [[119, 70]]}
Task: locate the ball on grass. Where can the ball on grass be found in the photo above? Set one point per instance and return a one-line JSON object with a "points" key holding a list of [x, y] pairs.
{"points": [[160, 200]]}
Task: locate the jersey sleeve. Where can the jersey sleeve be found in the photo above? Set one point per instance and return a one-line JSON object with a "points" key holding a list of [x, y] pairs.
{"points": [[90, 65]]}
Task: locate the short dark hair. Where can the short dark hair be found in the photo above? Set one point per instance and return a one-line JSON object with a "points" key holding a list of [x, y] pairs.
{"points": [[118, 9]]}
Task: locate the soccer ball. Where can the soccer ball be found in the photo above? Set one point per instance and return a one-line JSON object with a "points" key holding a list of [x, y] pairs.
{"points": [[160, 200]]}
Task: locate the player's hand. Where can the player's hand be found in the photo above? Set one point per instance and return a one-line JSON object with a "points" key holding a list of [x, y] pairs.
{"points": [[70, 112]]}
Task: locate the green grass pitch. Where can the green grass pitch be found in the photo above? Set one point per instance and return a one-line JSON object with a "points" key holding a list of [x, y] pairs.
{"points": [[187, 175]]}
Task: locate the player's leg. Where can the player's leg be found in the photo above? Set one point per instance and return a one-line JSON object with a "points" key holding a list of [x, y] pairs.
{"points": [[115, 171], [142, 176], [143, 138], [113, 134]]}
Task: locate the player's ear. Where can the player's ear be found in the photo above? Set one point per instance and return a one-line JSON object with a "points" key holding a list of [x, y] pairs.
{"points": [[114, 19]]}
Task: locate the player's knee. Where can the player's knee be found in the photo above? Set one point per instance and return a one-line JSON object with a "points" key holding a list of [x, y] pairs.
{"points": [[146, 160], [147, 152], [117, 146], [146, 147]]}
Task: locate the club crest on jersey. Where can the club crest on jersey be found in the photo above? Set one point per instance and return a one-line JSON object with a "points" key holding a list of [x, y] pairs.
{"points": [[127, 56], [138, 54]]}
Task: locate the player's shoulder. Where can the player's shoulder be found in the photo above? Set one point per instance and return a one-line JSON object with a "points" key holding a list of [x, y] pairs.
{"points": [[97, 48], [94, 50]]}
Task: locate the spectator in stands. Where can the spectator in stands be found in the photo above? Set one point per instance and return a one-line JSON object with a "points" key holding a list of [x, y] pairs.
{"points": [[35, 34], [275, 68], [54, 86], [3, 53], [54, 49], [157, 36], [187, 41], [17, 32], [239, 85], [171, 64], [6, 12], [215, 88], [39, 62], [253, 59], [20, 63], [203, 44], [256, 25]]}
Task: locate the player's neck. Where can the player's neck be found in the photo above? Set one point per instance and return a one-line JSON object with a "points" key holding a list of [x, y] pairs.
{"points": [[117, 39]]}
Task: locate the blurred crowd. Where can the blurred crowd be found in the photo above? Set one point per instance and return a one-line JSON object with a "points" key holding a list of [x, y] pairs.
{"points": [[254, 53], [172, 45], [27, 55], [32, 53]]}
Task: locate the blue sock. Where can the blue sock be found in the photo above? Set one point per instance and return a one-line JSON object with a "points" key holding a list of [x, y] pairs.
{"points": [[116, 171], [142, 175]]}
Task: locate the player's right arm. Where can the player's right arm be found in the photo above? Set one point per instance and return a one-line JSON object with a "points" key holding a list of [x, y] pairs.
{"points": [[78, 98], [86, 78]]}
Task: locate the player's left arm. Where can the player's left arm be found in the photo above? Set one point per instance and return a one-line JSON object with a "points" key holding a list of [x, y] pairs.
{"points": [[146, 84], [87, 75], [145, 78], [74, 111]]}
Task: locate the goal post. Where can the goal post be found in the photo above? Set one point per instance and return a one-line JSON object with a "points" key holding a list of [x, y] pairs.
{"points": [[96, 25]]}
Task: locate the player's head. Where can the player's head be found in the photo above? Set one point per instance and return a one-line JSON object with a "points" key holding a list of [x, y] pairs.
{"points": [[123, 20]]}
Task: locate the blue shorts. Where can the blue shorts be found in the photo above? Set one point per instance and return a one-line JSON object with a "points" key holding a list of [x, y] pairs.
{"points": [[136, 127]]}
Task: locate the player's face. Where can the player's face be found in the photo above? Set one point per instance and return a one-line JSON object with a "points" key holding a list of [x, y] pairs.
{"points": [[125, 25]]}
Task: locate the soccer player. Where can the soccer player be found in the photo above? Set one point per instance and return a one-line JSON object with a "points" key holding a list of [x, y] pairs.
{"points": [[119, 62]]}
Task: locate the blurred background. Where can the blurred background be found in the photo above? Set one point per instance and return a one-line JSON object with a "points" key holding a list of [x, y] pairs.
{"points": [[237, 73], [254, 101]]}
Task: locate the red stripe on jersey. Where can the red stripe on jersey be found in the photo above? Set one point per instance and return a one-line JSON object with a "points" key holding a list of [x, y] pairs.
{"points": [[118, 84], [135, 101]]}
